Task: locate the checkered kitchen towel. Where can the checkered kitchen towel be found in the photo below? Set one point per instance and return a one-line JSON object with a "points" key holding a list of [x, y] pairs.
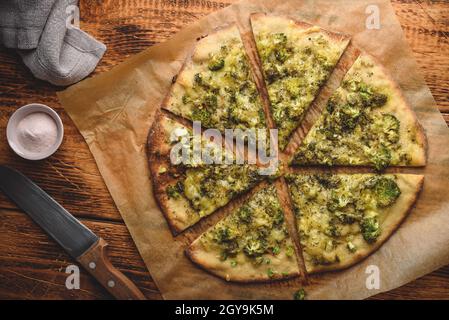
{"points": [[52, 48]]}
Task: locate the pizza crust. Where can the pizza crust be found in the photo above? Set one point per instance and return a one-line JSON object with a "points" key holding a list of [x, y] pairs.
{"points": [[278, 23], [244, 273]]}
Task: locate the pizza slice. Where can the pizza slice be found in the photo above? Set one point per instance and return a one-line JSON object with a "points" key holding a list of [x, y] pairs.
{"points": [[216, 85], [343, 218], [297, 59], [251, 244], [187, 187], [366, 122]]}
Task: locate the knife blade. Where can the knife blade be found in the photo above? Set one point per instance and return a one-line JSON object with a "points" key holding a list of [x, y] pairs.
{"points": [[74, 237]]}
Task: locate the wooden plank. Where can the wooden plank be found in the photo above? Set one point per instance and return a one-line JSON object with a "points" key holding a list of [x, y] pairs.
{"points": [[432, 286], [425, 24], [32, 266], [70, 176]]}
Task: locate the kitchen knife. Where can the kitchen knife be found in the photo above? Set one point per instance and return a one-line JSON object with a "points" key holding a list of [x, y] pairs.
{"points": [[75, 238]]}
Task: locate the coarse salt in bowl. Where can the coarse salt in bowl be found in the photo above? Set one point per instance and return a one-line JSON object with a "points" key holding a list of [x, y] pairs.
{"points": [[34, 131]]}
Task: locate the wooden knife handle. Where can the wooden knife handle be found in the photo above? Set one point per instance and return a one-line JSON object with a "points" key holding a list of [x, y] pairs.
{"points": [[98, 265]]}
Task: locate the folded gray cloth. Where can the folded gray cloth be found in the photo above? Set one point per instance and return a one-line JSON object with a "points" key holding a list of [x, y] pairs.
{"points": [[52, 51]]}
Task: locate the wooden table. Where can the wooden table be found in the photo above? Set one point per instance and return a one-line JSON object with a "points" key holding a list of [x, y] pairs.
{"points": [[32, 266]]}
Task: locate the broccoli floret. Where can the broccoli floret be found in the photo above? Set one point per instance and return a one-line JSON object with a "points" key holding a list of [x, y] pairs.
{"points": [[245, 214], [381, 158], [328, 181], [272, 74], [348, 117], [347, 217], [198, 79], [377, 100], [185, 99], [293, 86], [210, 100], [275, 250], [278, 217], [280, 39], [174, 191], [333, 102], [202, 115], [216, 63], [227, 241], [367, 96], [386, 192], [391, 127], [222, 235], [300, 294], [370, 229], [290, 251], [254, 247]]}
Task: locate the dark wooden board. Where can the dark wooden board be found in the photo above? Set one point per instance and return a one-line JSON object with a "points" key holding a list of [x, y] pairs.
{"points": [[32, 266]]}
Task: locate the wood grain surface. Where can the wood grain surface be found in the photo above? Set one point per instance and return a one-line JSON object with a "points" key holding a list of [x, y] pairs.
{"points": [[32, 266]]}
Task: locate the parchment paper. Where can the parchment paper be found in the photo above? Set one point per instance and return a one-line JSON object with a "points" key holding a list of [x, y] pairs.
{"points": [[114, 111]]}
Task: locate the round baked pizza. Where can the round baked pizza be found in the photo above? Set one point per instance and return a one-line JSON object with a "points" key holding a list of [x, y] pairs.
{"points": [[332, 201]]}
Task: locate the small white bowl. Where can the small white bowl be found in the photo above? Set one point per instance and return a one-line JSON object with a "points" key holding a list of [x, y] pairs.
{"points": [[17, 116]]}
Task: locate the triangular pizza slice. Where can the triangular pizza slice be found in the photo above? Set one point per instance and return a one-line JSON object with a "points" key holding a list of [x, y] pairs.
{"points": [[216, 85], [342, 218], [250, 244], [189, 188], [366, 122], [297, 58]]}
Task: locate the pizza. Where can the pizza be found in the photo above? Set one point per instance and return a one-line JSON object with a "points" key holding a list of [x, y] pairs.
{"points": [[339, 217], [250, 244], [191, 189], [297, 58], [366, 122], [342, 218], [216, 85]]}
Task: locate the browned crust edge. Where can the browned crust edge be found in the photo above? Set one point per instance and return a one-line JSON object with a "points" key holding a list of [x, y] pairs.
{"points": [[387, 234], [155, 142], [303, 25], [190, 253]]}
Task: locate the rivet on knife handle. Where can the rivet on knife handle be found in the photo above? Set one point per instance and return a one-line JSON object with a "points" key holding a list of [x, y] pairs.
{"points": [[98, 265]]}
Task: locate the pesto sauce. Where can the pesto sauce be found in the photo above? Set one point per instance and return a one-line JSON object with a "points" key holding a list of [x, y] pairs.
{"points": [[256, 229], [293, 75], [331, 210]]}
